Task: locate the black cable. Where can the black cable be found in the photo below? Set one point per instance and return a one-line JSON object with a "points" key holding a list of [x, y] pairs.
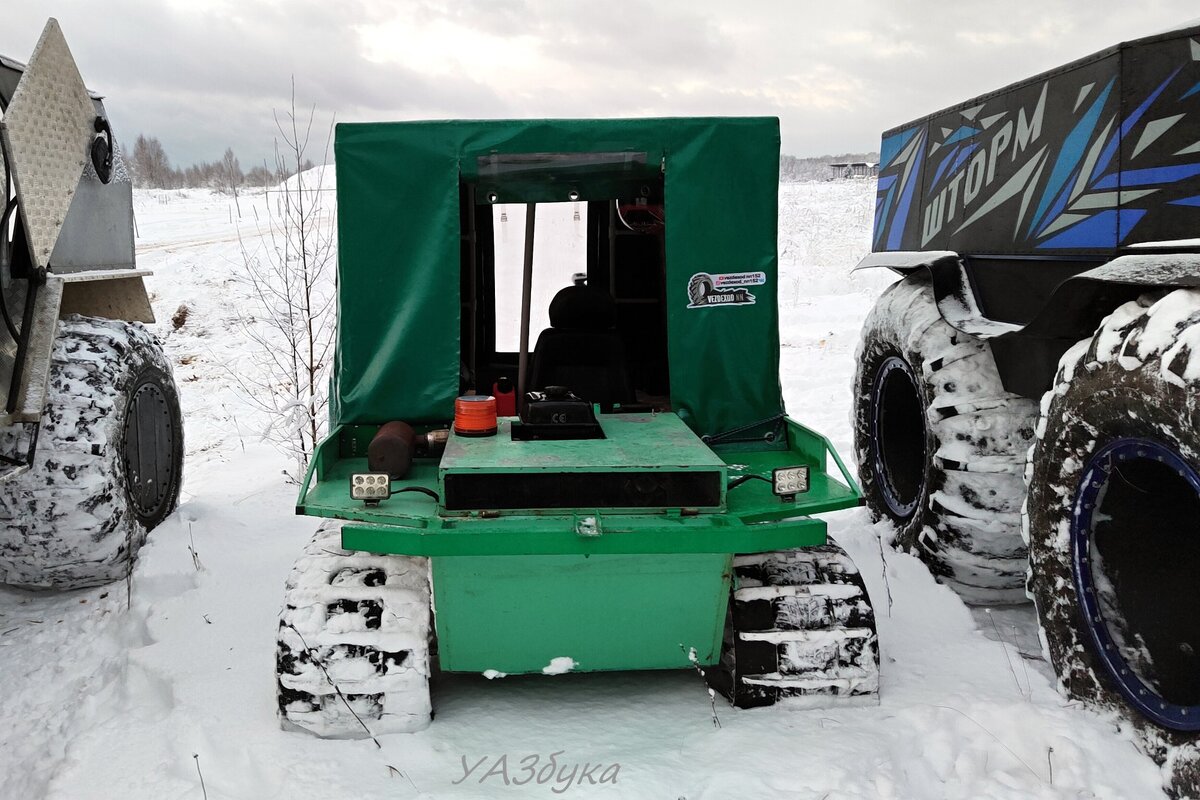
{"points": [[736, 482], [420, 489], [717, 438]]}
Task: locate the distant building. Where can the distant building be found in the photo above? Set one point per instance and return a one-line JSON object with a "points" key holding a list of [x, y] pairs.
{"points": [[857, 169]]}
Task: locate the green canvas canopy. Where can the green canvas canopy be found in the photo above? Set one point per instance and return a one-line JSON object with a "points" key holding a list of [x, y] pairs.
{"points": [[399, 353]]}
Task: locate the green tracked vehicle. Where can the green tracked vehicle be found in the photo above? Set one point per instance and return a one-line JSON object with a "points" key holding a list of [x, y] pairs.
{"points": [[640, 500]]}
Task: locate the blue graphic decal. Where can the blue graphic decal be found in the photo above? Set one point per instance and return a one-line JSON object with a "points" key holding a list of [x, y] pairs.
{"points": [[1110, 149], [881, 218], [892, 145], [963, 156], [1078, 192], [901, 218], [1148, 177], [960, 134], [1099, 231], [1070, 155], [937, 176], [1106, 158], [1136, 116], [1126, 219], [1059, 204]]}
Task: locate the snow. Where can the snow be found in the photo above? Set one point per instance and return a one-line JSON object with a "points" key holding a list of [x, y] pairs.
{"points": [[905, 259], [135, 691], [560, 665], [1166, 242]]}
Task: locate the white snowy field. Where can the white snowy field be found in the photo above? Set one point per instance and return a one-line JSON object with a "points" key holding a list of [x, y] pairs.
{"points": [[150, 689]]}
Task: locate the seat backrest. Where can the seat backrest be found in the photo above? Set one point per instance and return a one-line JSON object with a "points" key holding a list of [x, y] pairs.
{"points": [[581, 350]]}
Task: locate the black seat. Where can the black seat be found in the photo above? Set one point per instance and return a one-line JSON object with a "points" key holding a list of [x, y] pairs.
{"points": [[582, 350]]}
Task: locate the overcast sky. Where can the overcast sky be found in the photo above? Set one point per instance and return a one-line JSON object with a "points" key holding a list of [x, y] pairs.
{"points": [[203, 75]]}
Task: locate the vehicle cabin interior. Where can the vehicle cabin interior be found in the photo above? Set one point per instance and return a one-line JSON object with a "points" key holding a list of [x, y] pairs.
{"points": [[598, 304]]}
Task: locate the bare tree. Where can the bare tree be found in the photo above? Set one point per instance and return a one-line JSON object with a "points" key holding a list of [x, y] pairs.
{"points": [[150, 164], [260, 176], [232, 176], [292, 280]]}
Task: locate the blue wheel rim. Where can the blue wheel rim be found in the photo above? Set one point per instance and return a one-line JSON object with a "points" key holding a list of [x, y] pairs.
{"points": [[1136, 692]]}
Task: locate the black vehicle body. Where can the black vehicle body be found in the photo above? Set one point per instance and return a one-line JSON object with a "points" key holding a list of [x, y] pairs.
{"points": [[1042, 206]]}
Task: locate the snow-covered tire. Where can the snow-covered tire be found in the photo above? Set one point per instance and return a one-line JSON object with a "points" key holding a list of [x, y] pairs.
{"points": [[800, 629], [353, 646], [1113, 523], [941, 445], [108, 464]]}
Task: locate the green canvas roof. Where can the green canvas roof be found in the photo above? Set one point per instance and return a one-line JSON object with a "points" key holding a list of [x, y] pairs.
{"points": [[398, 183]]}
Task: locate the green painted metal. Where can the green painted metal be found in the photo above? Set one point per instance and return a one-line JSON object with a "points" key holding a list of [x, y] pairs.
{"points": [[605, 612], [325, 493], [549, 535], [398, 184], [632, 443], [754, 501]]}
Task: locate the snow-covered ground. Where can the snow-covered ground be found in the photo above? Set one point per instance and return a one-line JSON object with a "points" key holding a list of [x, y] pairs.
{"points": [[149, 689]]}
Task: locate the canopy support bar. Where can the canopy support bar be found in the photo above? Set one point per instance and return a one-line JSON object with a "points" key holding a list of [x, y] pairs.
{"points": [[526, 290]]}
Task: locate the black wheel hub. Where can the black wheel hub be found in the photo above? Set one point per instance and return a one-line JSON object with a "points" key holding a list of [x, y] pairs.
{"points": [[150, 444], [898, 437]]}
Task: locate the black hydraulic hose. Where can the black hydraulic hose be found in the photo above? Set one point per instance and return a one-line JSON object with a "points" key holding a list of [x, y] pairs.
{"points": [[9, 207], [23, 343]]}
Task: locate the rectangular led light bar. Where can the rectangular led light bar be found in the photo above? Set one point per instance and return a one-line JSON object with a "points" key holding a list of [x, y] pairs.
{"points": [[787, 482], [370, 487]]}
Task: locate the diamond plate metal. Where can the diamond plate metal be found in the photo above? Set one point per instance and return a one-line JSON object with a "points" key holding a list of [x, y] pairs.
{"points": [[47, 132]]}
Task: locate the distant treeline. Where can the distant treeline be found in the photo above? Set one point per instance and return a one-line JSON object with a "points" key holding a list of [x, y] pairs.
{"points": [[793, 169], [150, 168]]}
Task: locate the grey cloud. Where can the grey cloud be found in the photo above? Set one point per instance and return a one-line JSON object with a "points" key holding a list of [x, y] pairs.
{"points": [[205, 75]]}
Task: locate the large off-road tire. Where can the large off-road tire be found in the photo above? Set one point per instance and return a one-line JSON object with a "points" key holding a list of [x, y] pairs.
{"points": [[108, 464], [941, 445], [800, 629], [352, 656], [1113, 523]]}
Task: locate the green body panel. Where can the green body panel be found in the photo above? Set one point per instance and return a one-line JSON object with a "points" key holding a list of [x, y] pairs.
{"points": [[398, 349], [605, 612]]}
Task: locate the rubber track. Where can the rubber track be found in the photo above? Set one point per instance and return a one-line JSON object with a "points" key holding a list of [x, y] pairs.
{"points": [[352, 655], [800, 628]]}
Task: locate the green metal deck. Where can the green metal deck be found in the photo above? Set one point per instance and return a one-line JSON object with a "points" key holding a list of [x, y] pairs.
{"points": [[414, 524], [632, 441]]}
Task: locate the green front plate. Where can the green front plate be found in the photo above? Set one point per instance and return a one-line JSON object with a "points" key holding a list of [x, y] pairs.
{"points": [[559, 535], [515, 614]]}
